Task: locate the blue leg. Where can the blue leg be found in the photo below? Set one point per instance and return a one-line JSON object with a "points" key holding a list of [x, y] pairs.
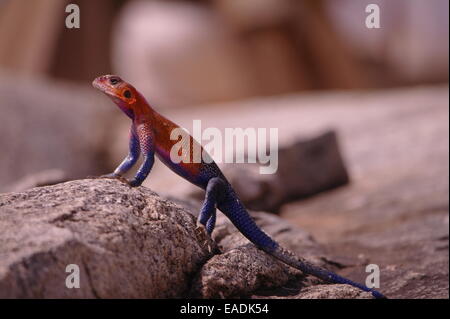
{"points": [[211, 223], [132, 157], [146, 145], [207, 215], [144, 170], [129, 161]]}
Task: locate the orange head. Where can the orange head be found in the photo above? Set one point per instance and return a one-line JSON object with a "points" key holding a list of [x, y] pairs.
{"points": [[121, 92]]}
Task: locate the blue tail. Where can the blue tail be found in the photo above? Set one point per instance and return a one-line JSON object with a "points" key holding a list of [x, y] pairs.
{"points": [[232, 207], [308, 268]]}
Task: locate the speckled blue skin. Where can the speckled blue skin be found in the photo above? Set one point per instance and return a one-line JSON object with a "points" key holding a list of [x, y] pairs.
{"points": [[150, 136]]}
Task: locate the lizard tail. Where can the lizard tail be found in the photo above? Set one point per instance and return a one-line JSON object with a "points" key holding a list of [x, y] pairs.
{"points": [[232, 207], [308, 268]]}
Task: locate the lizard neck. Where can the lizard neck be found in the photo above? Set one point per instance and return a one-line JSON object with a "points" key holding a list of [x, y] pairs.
{"points": [[128, 112], [124, 107], [142, 111]]}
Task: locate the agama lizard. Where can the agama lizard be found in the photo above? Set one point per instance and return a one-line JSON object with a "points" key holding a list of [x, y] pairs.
{"points": [[150, 134]]}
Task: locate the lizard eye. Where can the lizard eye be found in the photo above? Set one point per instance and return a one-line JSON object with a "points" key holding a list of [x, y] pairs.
{"points": [[114, 81], [127, 94]]}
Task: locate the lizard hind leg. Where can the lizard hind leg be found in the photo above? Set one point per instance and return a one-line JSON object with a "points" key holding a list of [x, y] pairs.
{"points": [[211, 223], [207, 215]]}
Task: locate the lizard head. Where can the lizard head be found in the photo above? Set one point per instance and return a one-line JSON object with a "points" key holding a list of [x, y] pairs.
{"points": [[121, 92]]}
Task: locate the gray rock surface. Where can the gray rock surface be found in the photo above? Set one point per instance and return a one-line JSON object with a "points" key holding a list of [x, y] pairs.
{"points": [[328, 292], [242, 269], [128, 243]]}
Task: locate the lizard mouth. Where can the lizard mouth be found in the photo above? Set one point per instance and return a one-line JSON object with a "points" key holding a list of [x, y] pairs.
{"points": [[100, 85], [103, 86]]}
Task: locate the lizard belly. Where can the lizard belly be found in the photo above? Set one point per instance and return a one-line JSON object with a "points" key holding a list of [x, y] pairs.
{"points": [[189, 171]]}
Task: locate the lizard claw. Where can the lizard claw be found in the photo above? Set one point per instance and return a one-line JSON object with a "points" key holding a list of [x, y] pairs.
{"points": [[124, 180], [200, 229]]}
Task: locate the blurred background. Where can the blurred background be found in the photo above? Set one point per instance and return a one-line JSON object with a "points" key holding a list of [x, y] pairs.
{"points": [[198, 51], [306, 67]]}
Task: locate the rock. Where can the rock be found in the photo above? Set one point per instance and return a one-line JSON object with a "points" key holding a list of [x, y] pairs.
{"points": [[128, 243], [291, 237], [329, 292], [395, 212], [242, 269], [309, 167], [240, 272]]}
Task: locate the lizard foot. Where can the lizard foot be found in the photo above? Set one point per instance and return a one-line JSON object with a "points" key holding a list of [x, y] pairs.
{"points": [[134, 183], [200, 230], [124, 180]]}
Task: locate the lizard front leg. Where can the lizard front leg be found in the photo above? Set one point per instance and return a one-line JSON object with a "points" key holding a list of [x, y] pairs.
{"points": [[146, 145], [132, 157], [129, 161]]}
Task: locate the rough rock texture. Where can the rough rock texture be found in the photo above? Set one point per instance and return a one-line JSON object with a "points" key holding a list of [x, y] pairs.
{"points": [[240, 272], [128, 243], [328, 292], [242, 269]]}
